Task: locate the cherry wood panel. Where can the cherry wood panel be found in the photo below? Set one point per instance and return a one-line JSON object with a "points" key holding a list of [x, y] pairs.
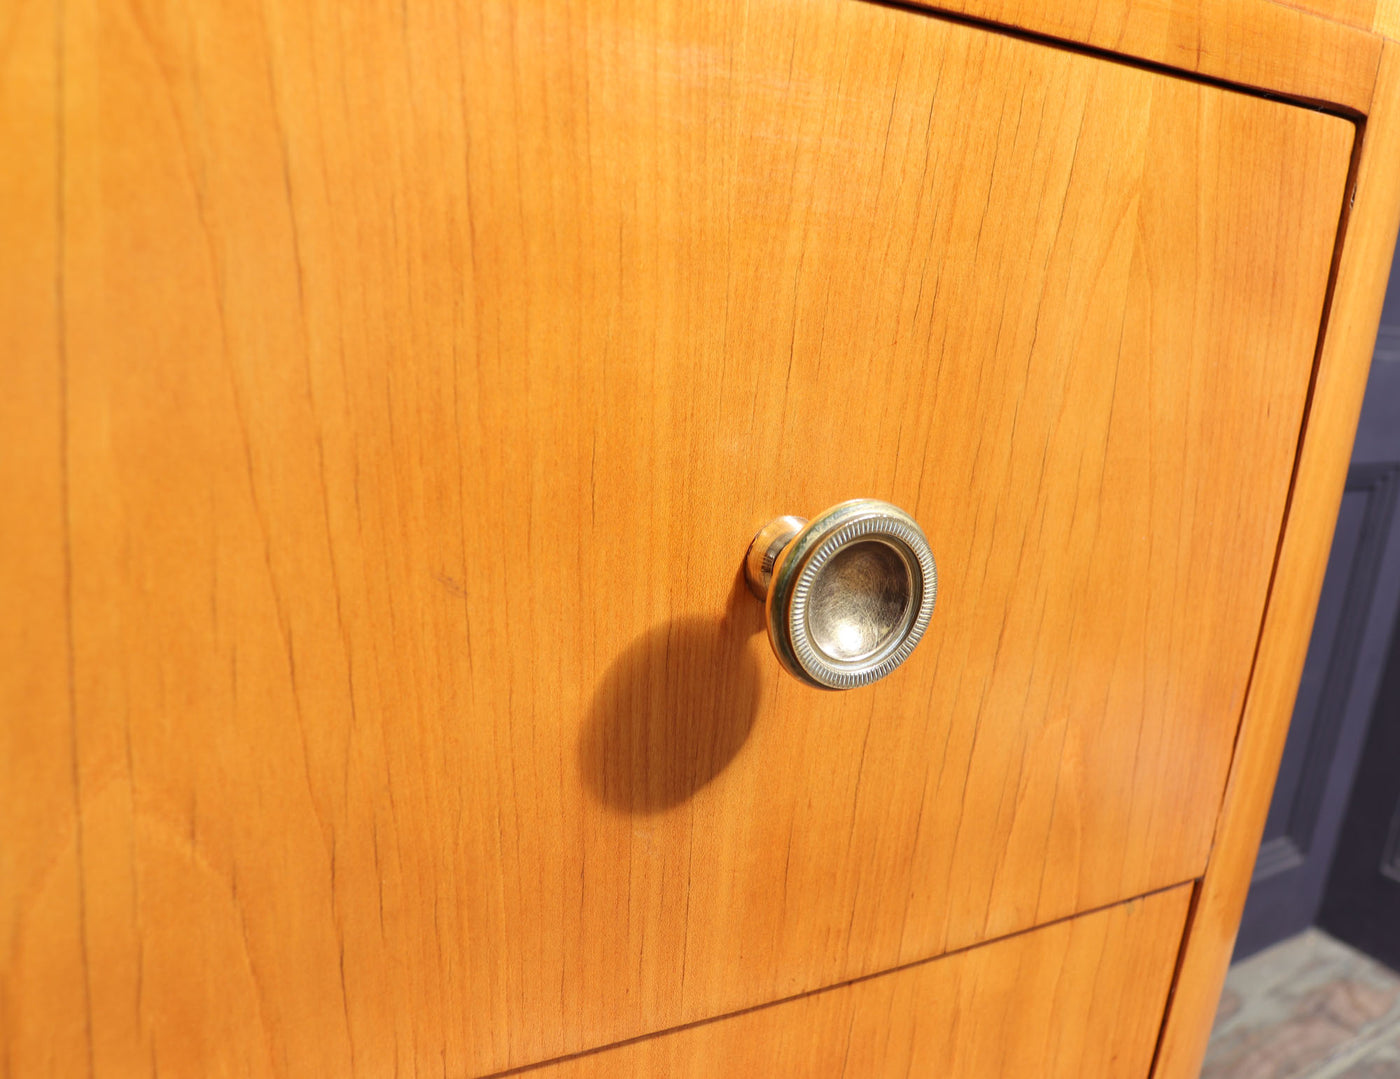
{"points": [[43, 1004], [427, 372], [1359, 13], [1079, 999], [1387, 18], [1379, 16], [1354, 313], [1318, 50]]}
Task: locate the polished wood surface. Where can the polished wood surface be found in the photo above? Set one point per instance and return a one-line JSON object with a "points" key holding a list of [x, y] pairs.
{"points": [[1358, 13], [1353, 316], [1312, 54], [1387, 18], [1079, 999], [420, 378], [43, 1027], [1380, 16]]}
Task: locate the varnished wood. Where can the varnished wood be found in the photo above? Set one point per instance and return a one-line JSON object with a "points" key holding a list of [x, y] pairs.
{"points": [[44, 1015], [1387, 18], [1259, 25], [1336, 405], [1379, 16], [1263, 44], [1076, 1000], [1358, 13], [425, 373]]}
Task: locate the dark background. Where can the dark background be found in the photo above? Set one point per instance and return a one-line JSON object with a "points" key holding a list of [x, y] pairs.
{"points": [[1331, 849]]}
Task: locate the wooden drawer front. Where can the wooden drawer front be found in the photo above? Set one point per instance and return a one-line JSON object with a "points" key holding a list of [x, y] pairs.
{"points": [[1080, 999], [428, 370]]}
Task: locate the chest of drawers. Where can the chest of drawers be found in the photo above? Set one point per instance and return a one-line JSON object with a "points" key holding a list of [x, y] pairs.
{"points": [[396, 394]]}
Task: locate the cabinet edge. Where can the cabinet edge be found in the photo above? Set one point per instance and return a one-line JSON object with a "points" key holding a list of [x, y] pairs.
{"points": [[1263, 45], [1348, 335]]}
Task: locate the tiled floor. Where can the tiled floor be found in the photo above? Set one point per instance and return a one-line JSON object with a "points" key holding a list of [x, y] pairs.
{"points": [[1309, 1008]]}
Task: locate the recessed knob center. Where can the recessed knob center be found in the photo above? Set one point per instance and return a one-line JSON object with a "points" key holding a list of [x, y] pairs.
{"points": [[860, 601]]}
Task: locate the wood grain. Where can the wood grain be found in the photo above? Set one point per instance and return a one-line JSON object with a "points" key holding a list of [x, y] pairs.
{"points": [[1079, 999], [1359, 13], [1379, 16], [1387, 18], [1311, 54], [44, 1016], [428, 372], [1354, 315]]}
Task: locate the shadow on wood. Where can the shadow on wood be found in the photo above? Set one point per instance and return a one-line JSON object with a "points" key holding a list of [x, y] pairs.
{"points": [[674, 709]]}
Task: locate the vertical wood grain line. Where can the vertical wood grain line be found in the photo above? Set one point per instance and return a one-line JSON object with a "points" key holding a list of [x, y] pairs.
{"points": [[65, 498]]}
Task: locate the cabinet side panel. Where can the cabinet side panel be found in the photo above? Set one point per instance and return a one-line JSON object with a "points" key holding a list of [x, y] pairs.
{"points": [[1350, 333]]}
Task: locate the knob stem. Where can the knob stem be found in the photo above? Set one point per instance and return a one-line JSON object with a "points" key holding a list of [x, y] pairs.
{"points": [[763, 552]]}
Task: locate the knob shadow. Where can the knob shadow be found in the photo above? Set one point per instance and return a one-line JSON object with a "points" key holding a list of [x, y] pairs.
{"points": [[674, 709]]}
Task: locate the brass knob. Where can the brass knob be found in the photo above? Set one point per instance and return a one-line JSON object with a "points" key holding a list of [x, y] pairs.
{"points": [[847, 594]]}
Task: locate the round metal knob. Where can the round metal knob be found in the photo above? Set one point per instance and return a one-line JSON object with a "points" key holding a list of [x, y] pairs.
{"points": [[847, 594]]}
